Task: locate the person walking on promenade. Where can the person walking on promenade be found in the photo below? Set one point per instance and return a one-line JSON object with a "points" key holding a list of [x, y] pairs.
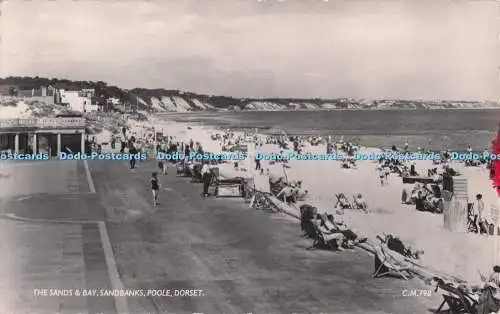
{"points": [[162, 165], [257, 164], [155, 188], [477, 212], [387, 172], [205, 172], [381, 175], [123, 140], [132, 150]]}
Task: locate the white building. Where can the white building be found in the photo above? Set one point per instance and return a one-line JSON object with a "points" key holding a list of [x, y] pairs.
{"points": [[75, 101], [88, 92], [114, 101]]}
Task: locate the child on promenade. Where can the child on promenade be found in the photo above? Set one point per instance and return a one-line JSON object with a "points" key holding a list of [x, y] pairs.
{"points": [[381, 174], [155, 188], [162, 165]]}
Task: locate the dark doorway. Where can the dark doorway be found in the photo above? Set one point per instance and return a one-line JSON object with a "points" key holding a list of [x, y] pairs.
{"points": [[47, 143], [6, 142], [71, 143], [23, 143]]}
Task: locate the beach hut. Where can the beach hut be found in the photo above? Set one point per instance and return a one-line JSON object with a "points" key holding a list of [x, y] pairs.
{"points": [[455, 206]]}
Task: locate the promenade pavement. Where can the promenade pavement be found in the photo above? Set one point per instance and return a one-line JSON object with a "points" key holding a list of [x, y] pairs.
{"points": [[244, 260]]}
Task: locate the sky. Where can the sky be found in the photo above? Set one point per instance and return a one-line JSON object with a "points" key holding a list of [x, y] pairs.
{"points": [[406, 49]]}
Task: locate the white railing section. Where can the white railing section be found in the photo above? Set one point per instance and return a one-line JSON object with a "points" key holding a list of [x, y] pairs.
{"points": [[43, 123]]}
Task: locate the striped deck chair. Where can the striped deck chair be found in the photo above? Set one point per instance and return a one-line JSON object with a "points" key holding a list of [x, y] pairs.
{"points": [[457, 301], [390, 263], [347, 202]]}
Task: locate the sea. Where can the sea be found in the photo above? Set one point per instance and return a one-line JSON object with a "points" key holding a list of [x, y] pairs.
{"points": [[453, 129]]}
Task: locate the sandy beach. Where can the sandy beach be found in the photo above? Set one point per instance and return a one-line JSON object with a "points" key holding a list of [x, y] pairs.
{"points": [[463, 255]]}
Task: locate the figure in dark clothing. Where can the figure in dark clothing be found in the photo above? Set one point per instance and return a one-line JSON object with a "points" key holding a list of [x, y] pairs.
{"points": [[155, 188], [257, 164], [413, 172], [419, 202], [132, 150], [122, 147]]}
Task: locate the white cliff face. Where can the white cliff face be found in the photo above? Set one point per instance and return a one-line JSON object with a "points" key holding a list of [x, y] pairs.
{"points": [[185, 103], [202, 105], [157, 104], [181, 104]]}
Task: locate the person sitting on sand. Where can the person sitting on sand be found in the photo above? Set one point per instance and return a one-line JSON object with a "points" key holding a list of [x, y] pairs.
{"points": [[432, 203], [307, 213], [493, 278], [419, 201], [287, 195], [360, 203], [333, 239], [437, 178], [413, 172], [405, 172], [345, 164], [491, 291], [351, 237]]}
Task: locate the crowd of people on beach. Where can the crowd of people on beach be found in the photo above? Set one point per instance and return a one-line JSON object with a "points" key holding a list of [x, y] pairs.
{"points": [[425, 196]]}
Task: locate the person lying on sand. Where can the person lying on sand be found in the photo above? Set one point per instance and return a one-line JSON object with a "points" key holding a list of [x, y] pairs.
{"points": [[395, 244]]}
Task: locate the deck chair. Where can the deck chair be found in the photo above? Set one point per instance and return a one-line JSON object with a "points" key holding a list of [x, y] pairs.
{"points": [[457, 301], [387, 265], [340, 196], [390, 263]]}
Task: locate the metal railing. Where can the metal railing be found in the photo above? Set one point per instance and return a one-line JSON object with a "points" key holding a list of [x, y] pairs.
{"points": [[43, 123]]}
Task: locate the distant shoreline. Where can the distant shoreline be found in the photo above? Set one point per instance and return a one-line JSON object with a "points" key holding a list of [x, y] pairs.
{"points": [[324, 109]]}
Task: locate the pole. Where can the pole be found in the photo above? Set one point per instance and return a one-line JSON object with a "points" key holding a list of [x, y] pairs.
{"points": [[284, 171]]}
